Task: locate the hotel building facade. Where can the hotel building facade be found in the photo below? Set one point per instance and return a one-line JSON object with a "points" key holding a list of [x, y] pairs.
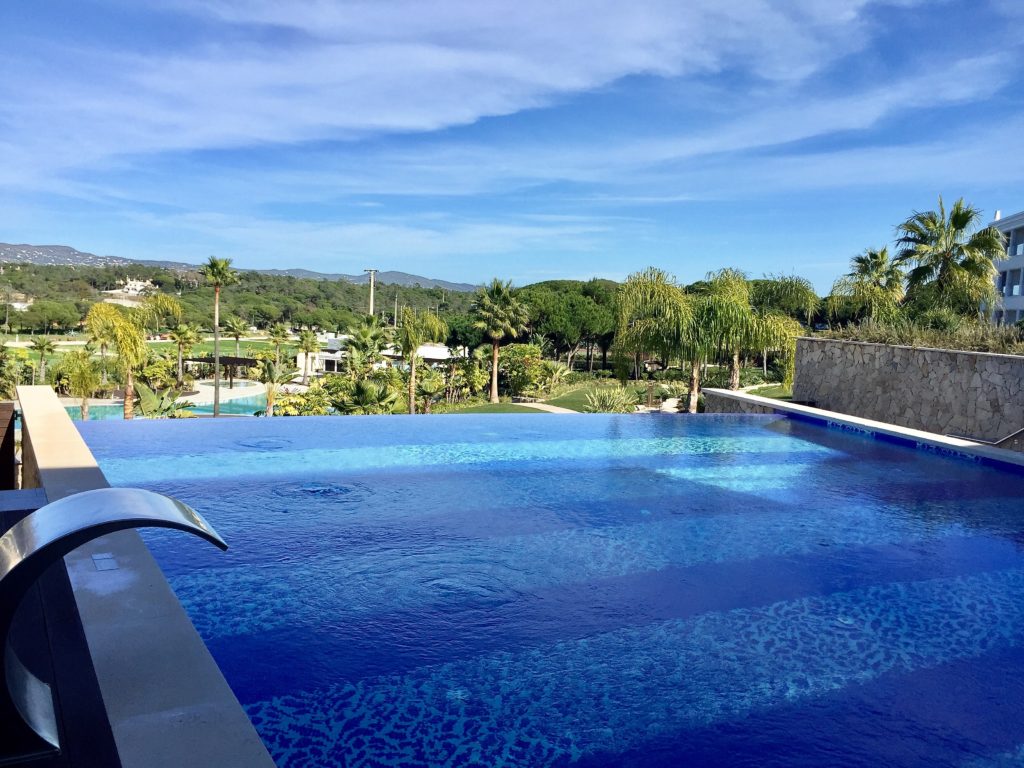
{"points": [[1010, 276]]}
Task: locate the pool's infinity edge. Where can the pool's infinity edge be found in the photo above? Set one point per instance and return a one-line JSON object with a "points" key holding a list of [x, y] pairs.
{"points": [[880, 430], [166, 699]]}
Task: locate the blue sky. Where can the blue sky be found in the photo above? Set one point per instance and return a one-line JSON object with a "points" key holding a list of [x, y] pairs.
{"points": [[532, 140]]}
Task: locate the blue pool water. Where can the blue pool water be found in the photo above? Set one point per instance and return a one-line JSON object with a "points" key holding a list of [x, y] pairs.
{"points": [[507, 590], [238, 406]]}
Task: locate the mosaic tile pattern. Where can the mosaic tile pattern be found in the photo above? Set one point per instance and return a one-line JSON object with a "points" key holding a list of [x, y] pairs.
{"points": [[554, 703]]}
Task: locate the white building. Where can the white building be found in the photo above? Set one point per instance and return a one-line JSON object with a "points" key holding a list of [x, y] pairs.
{"points": [[330, 359], [1010, 279]]}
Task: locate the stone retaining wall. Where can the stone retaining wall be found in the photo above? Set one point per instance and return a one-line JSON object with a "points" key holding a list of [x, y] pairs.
{"points": [[972, 394], [715, 403]]}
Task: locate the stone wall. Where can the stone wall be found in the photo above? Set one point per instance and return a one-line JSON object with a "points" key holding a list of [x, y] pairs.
{"points": [[716, 403], [971, 394]]}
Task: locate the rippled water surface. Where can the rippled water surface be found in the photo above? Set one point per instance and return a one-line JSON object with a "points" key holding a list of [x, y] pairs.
{"points": [[511, 590]]}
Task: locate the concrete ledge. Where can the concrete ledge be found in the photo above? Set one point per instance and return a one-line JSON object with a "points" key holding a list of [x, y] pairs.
{"points": [[167, 702], [746, 403]]}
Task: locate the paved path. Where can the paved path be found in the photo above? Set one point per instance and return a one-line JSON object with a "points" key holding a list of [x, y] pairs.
{"points": [[547, 408]]}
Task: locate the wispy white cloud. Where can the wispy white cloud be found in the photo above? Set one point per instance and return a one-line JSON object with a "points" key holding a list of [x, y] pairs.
{"points": [[354, 69]]}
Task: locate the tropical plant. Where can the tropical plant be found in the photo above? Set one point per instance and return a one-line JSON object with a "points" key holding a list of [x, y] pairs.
{"points": [[315, 401], [366, 397], [418, 328], [309, 346], [500, 315], [552, 373], [617, 399], [873, 288], [218, 273], [162, 404], [184, 337], [430, 388], [279, 336], [274, 376], [952, 259], [44, 347], [82, 378]]}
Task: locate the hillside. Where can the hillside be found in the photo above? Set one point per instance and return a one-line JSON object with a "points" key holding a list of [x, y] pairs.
{"points": [[62, 255]]}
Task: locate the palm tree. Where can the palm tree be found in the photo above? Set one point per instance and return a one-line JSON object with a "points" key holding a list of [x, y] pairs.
{"points": [[367, 397], [653, 316], [160, 307], [430, 388], [218, 273], [500, 315], [953, 260], [45, 348], [273, 376], [97, 324], [279, 336], [873, 287], [235, 328], [83, 380], [309, 346], [184, 336], [418, 328], [783, 297]]}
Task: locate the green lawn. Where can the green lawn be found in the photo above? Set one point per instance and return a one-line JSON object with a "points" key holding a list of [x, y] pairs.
{"points": [[778, 391], [497, 408], [577, 399], [227, 347]]}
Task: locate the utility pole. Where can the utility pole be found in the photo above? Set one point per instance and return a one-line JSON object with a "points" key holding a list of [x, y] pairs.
{"points": [[394, 321], [373, 280]]}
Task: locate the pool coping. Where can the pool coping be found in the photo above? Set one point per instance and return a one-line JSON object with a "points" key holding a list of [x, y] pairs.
{"points": [[166, 699], [915, 438]]}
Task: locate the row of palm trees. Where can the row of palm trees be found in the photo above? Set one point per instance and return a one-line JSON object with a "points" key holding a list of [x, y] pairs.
{"points": [[723, 318]]}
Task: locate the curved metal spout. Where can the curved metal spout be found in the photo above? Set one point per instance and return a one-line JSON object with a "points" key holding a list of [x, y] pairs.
{"points": [[32, 545]]}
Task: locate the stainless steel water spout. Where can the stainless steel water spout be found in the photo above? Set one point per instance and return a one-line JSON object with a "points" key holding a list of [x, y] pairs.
{"points": [[27, 718]]}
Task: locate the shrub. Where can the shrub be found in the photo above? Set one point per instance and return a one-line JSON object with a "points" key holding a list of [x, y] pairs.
{"points": [[611, 400]]}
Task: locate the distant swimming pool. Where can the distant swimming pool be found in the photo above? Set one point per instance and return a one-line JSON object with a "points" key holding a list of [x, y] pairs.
{"points": [[243, 406], [596, 590]]}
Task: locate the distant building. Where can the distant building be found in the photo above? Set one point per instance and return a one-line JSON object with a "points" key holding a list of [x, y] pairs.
{"points": [[130, 294], [1010, 278], [330, 359]]}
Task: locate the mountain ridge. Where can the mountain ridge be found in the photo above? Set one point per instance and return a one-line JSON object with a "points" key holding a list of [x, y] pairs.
{"points": [[64, 255]]}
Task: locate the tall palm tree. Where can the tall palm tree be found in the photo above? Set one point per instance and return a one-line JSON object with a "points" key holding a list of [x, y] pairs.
{"points": [[953, 261], [273, 376], [873, 287], [309, 346], [45, 348], [83, 380], [97, 324], [653, 316], [500, 315], [184, 336], [418, 328], [279, 336], [218, 273]]}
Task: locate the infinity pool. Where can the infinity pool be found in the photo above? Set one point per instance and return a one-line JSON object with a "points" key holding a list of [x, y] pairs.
{"points": [[596, 590]]}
